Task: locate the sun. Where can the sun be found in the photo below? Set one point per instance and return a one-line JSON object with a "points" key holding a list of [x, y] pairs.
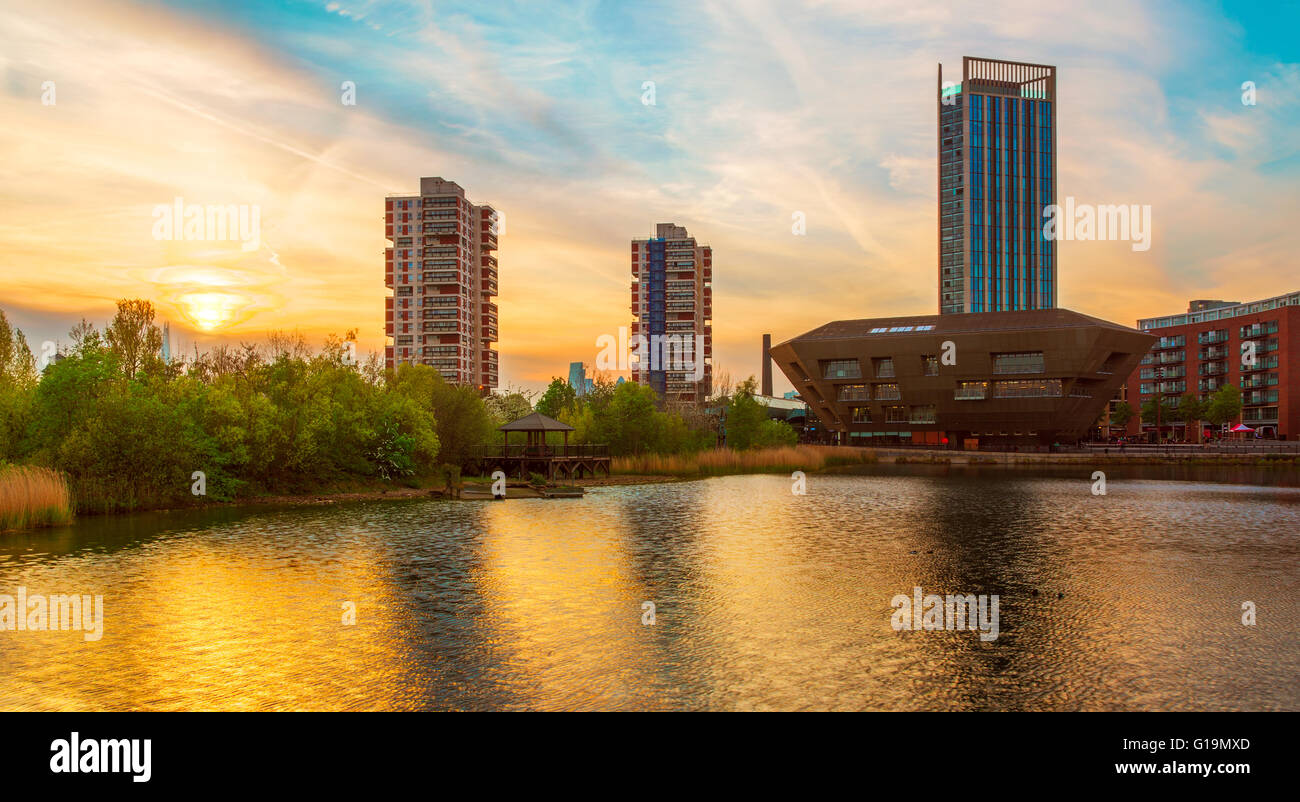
{"points": [[211, 310]]}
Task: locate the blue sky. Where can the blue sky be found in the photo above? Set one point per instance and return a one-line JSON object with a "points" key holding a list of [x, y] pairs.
{"points": [[762, 109]]}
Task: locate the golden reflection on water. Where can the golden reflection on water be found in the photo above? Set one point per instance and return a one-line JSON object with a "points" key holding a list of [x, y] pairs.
{"points": [[212, 629], [763, 600], [562, 599]]}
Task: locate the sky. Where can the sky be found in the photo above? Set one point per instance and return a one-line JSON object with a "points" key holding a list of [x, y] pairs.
{"points": [[762, 109]]}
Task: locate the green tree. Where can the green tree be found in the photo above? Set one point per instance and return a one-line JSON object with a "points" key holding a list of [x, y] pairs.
{"points": [[462, 419], [630, 423], [1167, 412], [133, 337], [17, 387], [509, 406], [744, 417], [748, 425], [1122, 414], [558, 397], [1224, 406], [1191, 411]]}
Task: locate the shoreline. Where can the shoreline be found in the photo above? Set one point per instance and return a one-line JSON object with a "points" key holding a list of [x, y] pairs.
{"points": [[1010, 460], [884, 457]]}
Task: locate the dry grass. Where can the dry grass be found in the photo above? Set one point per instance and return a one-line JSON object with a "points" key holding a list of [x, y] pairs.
{"points": [[723, 461], [31, 497]]}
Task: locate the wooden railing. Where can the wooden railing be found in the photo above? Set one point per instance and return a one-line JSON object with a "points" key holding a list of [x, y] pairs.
{"points": [[519, 450]]}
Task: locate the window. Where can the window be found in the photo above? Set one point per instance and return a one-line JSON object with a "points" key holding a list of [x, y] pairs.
{"points": [[929, 365], [1259, 329], [1028, 388], [895, 414], [1027, 362], [922, 414], [853, 392], [884, 367], [840, 369], [971, 391], [887, 392], [862, 414]]}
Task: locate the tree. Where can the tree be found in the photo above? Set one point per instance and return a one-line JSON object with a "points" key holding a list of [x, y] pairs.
{"points": [[17, 365], [509, 406], [630, 423], [558, 397], [747, 424], [84, 337], [1224, 405], [1167, 411], [1191, 411], [1122, 414], [18, 378], [133, 337], [462, 420]]}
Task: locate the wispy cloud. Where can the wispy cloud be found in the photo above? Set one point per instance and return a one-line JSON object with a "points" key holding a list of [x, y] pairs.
{"points": [[762, 109]]}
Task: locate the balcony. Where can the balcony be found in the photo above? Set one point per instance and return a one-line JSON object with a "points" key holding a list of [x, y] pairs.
{"points": [[1258, 330], [443, 277]]}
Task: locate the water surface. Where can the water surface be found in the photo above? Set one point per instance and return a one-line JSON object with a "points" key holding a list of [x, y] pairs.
{"points": [[763, 599]]}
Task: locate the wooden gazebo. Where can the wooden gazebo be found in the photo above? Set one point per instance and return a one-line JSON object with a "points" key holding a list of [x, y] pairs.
{"points": [[535, 455]]}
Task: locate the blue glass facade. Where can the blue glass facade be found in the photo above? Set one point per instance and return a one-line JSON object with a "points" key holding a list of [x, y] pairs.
{"points": [[996, 176], [653, 287]]}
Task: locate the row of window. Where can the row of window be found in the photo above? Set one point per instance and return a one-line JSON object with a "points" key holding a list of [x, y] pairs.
{"points": [[922, 413], [964, 391], [883, 367]]}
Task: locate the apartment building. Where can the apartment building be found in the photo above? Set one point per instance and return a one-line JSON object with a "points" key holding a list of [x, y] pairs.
{"points": [[442, 270], [997, 172], [1253, 346], [672, 307]]}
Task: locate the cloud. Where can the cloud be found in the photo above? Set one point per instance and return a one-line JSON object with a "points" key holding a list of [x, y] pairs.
{"points": [[763, 109]]}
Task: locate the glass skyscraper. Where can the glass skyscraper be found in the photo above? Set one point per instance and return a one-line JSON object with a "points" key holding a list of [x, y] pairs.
{"points": [[997, 174]]}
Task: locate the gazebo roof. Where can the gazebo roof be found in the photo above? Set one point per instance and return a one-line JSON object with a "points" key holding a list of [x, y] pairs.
{"points": [[536, 422]]}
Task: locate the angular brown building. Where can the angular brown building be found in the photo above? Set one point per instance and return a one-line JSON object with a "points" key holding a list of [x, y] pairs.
{"points": [[986, 379]]}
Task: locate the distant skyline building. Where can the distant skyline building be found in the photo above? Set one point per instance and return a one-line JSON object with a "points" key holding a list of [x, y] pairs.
{"points": [[579, 379], [443, 274], [672, 296], [997, 173]]}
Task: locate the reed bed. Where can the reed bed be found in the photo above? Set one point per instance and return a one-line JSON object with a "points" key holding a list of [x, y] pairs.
{"points": [[724, 461], [32, 497]]}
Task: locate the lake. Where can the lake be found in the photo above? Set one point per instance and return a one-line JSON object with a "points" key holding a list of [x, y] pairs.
{"points": [[762, 599]]}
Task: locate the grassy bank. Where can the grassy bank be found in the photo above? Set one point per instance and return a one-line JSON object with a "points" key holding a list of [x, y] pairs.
{"points": [[32, 497], [725, 461]]}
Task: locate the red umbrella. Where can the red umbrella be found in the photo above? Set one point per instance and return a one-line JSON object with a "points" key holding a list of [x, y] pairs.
{"points": [[1241, 427]]}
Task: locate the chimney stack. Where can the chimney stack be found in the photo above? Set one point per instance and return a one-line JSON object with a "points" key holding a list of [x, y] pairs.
{"points": [[767, 365]]}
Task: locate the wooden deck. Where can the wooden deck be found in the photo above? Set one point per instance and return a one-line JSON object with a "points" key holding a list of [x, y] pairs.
{"points": [[553, 462]]}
